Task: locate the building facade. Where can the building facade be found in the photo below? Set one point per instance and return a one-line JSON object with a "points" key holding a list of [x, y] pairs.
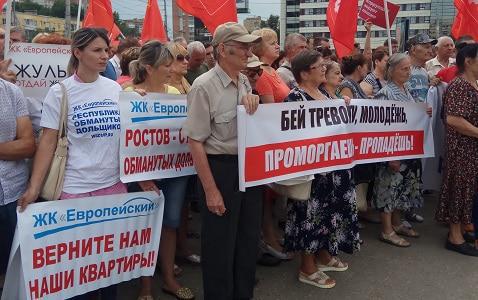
{"points": [[33, 24], [309, 18], [252, 24]]}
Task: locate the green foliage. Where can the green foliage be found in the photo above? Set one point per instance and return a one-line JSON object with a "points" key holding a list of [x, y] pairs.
{"points": [[128, 32], [272, 23]]}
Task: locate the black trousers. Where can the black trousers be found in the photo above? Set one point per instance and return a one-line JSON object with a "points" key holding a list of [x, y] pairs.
{"points": [[229, 242], [8, 222]]}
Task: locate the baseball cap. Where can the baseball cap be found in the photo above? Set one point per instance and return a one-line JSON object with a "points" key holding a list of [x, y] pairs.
{"points": [[421, 38], [232, 31], [254, 62]]}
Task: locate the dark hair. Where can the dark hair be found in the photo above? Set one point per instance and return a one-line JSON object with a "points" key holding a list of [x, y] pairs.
{"points": [[393, 41], [81, 39], [303, 61], [321, 38], [127, 43], [357, 45], [128, 56], [275, 65], [379, 54], [463, 41], [153, 54], [326, 52], [207, 44], [351, 63], [469, 51]]}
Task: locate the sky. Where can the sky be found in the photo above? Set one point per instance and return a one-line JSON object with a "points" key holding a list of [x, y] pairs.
{"points": [[129, 9]]}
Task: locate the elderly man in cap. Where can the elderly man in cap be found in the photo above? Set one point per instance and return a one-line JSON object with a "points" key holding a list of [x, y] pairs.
{"points": [[231, 219]]}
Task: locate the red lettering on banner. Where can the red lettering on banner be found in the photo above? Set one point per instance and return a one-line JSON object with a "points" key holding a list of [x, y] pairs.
{"points": [[51, 284], [147, 137], [53, 254], [278, 159], [138, 238]]}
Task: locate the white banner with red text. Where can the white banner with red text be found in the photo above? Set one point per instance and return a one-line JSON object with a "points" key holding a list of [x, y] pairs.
{"points": [[71, 247], [288, 140], [38, 66], [152, 143]]}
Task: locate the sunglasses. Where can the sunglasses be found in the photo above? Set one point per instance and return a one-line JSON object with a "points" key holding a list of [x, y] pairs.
{"points": [[181, 57]]}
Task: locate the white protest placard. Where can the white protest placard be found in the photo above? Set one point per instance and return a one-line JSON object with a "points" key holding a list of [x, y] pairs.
{"points": [[288, 140], [152, 144], [71, 247], [38, 66]]}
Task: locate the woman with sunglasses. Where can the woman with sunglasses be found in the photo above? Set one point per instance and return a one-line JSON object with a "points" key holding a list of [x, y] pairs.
{"points": [[327, 222], [151, 74], [253, 71]]}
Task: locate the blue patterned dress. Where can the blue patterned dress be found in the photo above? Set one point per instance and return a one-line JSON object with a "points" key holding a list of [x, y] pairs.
{"points": [[328, 220]]}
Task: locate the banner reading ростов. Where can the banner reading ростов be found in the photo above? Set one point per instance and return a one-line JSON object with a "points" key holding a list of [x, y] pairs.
{"points": [[288, 140], [70, 247], [152, 143]]}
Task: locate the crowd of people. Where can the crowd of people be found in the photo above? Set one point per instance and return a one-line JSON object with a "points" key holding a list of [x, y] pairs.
{"points": [[258, 226]]}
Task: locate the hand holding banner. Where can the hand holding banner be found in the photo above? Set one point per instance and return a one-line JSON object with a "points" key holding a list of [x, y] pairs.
{"points": [[152, 144], [304, 138], [75, 246], [374, 11]]}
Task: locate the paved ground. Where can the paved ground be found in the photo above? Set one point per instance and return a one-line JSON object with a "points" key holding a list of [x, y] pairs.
{"points": [[379, 271]]}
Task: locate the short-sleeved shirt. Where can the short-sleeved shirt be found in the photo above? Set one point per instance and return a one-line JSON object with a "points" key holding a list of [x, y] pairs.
{"points": [[357, 91], [193, 74], [392, 92], [433, 66], [212, 110], [285, 72], [419, 83], [13, 173], [376, 83], [271, 84], [93, 132]]}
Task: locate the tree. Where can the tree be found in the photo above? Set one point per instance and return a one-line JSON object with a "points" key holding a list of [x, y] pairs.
{"points": [[58, 10], [123, 26], [272, 23]]}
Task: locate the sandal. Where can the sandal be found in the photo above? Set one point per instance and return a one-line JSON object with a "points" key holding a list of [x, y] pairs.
{"points": [[393, 239], [334, 265], [183, 293], [318, 279], [404, 230]]}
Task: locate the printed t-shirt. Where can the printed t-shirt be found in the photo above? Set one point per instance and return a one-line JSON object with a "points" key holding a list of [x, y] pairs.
{"points": [[272, 85], [93, 132], [418, 84]]}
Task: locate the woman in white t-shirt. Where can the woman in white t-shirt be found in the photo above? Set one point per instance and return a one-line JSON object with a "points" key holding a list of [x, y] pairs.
{"points": [[92, 168]]}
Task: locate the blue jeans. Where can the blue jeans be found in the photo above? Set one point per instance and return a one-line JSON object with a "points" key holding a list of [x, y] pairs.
{"points": [[8, 222], [174, 190]]}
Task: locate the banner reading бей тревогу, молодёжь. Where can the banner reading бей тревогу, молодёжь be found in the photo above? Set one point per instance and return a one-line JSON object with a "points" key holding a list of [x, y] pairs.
{"points": [[288, 140], [71, 247]]}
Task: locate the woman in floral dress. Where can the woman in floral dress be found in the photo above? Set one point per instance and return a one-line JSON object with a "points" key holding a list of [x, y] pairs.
{"points": [[327, 222], [398, 186]]}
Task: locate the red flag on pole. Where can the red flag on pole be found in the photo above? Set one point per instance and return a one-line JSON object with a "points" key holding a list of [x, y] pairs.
{"points": [[99, 14], [342, 20], [466, 21], [153, 27], [115, 32], [211, 12]]}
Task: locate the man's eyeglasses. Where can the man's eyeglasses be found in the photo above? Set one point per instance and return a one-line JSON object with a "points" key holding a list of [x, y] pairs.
{"points": [[244, 47], [181, 57]]}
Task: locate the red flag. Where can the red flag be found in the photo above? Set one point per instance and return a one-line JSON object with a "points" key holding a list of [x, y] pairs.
{"points": [[115, 32], [374, 12], [342, 20], [466, 21], [2, 3], [211, 12], [153, 27], [99, 14]]}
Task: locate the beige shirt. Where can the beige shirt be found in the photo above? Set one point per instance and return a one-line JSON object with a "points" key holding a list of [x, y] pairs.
{"points": [[433, 66], [212, 110]]}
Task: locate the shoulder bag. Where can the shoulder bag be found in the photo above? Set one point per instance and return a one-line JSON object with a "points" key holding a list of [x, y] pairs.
{"points": [[53, 184]]}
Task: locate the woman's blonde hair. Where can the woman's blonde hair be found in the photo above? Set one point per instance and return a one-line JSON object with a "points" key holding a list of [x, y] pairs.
{"points": [[153, 54], [267, 36]]}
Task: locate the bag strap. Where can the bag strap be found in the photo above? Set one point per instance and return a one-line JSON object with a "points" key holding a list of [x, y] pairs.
{"points": [[63, 113]]}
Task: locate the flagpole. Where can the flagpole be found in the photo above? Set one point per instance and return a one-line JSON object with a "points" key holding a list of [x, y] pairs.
{"points": [[79, 15], [387, 23], [8, 27]]}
